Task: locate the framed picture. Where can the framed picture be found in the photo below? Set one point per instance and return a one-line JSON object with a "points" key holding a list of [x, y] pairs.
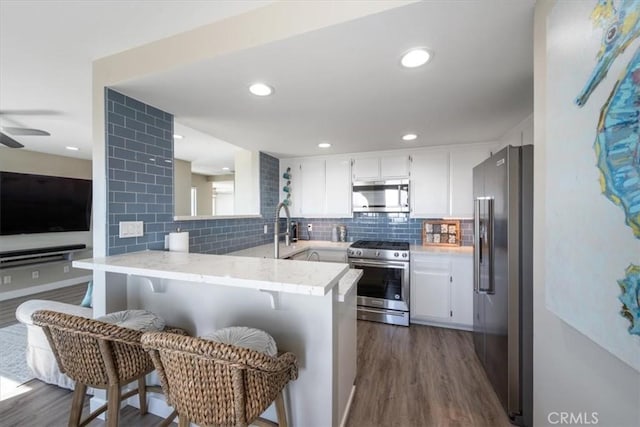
{"points": [[441, 233]]}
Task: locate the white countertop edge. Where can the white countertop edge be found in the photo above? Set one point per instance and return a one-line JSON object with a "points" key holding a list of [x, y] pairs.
{"points": [[441, 250], [347, 282], [262, 285]]}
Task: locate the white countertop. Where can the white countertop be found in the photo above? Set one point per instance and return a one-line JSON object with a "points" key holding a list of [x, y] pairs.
{"points": [[442, 250], [267, 251], [298, 277]]}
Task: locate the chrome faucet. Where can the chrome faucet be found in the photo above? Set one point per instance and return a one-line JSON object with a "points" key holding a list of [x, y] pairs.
{"points": [[276, 229]]}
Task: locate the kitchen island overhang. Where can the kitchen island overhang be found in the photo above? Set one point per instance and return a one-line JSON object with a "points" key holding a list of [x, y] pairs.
{"points": [[314, 315]]}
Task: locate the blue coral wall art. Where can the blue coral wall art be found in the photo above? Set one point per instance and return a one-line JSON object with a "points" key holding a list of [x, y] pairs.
{"points": [[593, 160]]}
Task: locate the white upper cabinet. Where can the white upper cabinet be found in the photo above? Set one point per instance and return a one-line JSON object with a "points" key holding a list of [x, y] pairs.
{"points": [[338, 188], [366, 169], [430, 184], [319, 187], [462, 163], [312, 172], [394, 167], [380, 168]]}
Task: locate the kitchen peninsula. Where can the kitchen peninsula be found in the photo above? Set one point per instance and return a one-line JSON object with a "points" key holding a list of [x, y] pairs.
{"points": [[308, 307]]}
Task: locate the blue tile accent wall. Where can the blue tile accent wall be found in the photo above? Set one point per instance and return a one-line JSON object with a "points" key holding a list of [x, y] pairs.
{"points": [[140, 171], [377, 226], [140, 185]]}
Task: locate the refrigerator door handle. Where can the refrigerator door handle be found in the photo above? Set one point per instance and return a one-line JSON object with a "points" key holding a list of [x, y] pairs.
{"points": [[477, 245], [491, 245]]}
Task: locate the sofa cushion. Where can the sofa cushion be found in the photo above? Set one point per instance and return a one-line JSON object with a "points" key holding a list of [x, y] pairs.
{"points": [[27, 308], [87, 301]]}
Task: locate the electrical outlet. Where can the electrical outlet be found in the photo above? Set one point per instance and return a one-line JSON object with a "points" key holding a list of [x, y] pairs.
{"points": [[309, 227], [35, 274], [6, 280], [266, 229], [66, 268]]}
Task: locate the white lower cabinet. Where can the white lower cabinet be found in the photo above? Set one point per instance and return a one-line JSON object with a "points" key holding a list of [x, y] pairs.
{"points": [[442, 290], [322, 255]]}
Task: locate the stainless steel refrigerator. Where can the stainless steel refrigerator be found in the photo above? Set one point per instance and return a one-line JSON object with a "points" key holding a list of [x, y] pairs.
{"points": [[503, 277]]}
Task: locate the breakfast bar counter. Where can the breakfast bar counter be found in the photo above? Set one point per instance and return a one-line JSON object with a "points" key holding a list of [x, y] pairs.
{"points": [[307, 278], [308, 307]]}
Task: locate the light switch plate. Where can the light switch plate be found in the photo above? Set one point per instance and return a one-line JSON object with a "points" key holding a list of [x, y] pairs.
{"points": [[131, 229]]}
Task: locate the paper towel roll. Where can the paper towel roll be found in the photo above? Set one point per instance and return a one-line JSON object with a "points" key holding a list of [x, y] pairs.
{"points": [[179, 242]]}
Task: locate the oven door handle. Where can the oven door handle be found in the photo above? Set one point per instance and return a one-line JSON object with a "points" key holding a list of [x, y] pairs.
{"points": [[381, 311], [356, 263]]}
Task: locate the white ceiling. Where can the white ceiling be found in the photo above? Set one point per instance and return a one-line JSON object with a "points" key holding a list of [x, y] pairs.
{"points": [[46, 50], [342, 84]]}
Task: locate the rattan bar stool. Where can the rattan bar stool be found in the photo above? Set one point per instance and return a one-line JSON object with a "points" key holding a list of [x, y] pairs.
{"points": [[215, 384], [99, 355]]}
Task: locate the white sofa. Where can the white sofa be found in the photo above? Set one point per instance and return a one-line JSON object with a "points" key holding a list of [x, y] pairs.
{"points": [[40, 358]]}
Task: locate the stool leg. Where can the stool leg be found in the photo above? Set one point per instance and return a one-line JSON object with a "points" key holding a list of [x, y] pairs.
{"points": [[113, 405], [142, 394], [280, 411], [77, 404], [183, 421]]}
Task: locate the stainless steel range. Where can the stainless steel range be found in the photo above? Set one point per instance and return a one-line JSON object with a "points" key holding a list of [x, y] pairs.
{"points": [[383, 290]]}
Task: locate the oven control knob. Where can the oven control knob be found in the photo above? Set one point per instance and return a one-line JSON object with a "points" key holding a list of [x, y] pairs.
{"points": [[404, 255], [359, 253], [396, 254], [377, 253]]}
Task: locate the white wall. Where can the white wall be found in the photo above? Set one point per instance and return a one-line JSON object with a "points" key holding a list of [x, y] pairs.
{"points": [[182, 187], [24, 161], [521, 134], [571, 372], [204, 194], [247, 183]]}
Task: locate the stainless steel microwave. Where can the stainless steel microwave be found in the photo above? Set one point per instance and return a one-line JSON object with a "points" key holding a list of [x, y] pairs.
{"points": [[381, 196]]}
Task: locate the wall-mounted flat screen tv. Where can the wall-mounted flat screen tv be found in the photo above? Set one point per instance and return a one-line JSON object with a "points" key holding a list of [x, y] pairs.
{"points": [[43, 204]]}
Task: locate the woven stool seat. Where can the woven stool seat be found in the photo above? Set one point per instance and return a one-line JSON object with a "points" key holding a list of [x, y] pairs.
{"points": [[100, 355], [242, 336], [216, 384]]}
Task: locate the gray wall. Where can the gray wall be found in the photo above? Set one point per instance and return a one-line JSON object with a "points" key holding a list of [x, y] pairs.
{"points": [[571, 372]]}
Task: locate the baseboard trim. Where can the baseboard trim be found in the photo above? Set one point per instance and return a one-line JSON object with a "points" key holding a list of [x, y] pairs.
{"points": [[458, 326], [347, 409]]}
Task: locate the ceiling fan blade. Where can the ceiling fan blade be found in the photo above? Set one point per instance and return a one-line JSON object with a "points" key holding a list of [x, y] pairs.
{"points": [[25, 131], [9, 142]]}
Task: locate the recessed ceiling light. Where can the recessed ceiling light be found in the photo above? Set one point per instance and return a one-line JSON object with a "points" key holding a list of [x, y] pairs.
{"points": [[260, 89], [409, 137], [68, 147], [324, 145], [176, 136], [225, 168], [415, 57]]}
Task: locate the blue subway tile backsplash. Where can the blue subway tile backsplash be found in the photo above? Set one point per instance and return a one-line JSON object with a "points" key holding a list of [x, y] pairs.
{"points": [[376, 226]]}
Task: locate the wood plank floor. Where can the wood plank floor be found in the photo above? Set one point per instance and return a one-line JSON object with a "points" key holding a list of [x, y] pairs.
{"points": [[418, 376], [421, 376]]}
